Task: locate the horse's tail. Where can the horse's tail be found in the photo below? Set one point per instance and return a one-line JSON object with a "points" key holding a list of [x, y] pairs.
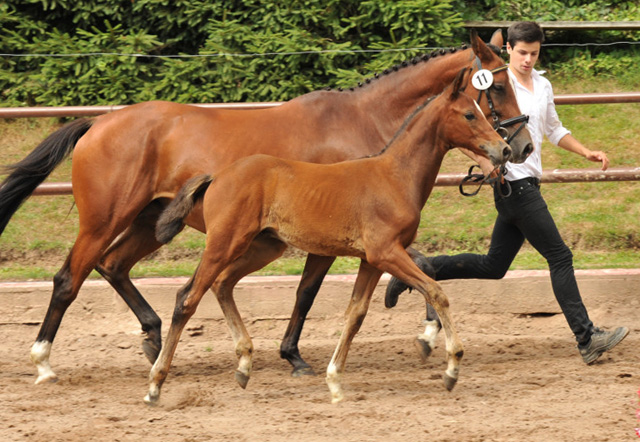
{"points": [[171, 220], [29, 173]]}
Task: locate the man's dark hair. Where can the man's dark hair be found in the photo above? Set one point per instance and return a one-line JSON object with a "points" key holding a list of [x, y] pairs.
{"points": [[526, 31]]}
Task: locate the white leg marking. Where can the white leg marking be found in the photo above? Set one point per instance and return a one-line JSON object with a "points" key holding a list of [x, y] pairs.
{"points": [[430, 333], [245, 364], [154, 389], [40, 352], [453, 370], [333, 382]]}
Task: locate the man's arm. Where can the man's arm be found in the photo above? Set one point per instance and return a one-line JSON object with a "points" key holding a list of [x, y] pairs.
{"points": [[570, 143]]}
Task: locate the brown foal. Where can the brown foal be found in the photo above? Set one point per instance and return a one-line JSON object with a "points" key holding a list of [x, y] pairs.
{"points": [[367, 208]]}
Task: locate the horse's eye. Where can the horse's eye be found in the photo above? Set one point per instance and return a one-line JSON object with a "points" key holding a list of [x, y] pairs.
{"points": [[470, 116], [498, 87]]}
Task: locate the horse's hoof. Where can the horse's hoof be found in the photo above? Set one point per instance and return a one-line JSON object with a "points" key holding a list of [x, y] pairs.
{"points": [[152, 396], [424, 349], [449, 382], [242, 379], [150, 401], [151, 350], [50, 378], [303, 371]]}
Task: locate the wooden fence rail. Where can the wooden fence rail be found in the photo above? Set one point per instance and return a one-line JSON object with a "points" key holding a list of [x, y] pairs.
{"points": [[92, 111], [444, 179]]}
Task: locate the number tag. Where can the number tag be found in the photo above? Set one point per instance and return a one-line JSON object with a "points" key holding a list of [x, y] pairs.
{"points": [[483, 79]]}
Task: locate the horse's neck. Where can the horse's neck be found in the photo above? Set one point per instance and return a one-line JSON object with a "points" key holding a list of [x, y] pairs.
{"points": [[418, 152], [390, 99], [383, 104]]}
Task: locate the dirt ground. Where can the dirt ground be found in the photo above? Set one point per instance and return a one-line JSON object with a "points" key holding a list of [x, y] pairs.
{"points": [[521, 378]]}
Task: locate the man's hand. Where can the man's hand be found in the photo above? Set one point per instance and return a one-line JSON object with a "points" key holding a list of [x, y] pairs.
{"points": [[598, 157]]}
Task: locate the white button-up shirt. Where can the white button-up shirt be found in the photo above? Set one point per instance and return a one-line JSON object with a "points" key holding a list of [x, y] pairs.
{"points": [[543, 120]]}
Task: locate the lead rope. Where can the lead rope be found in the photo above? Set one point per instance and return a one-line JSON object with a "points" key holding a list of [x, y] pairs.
{"points": [[482, 179]]}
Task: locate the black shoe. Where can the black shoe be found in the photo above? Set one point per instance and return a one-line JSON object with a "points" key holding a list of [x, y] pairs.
{"points": [[600, 342], [396, 287]]}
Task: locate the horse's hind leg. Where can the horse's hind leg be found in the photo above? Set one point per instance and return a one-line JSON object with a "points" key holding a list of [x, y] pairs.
{"points": [[136, 242], [263, 250], [66, 284], [368, 277], [315, 270]]}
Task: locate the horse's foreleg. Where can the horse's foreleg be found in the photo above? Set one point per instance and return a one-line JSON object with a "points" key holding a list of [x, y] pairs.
{"points": [[66, 284], [368, 277], [399, 264], [315, 270], [426, 341], [263, 250], [135, 243]]}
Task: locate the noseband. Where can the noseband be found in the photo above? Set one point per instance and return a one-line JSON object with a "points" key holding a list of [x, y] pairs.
{"points": [[501, 128]]}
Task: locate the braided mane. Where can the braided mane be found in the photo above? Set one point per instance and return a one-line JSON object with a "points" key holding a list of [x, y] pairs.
{"points": [[416, 60]]}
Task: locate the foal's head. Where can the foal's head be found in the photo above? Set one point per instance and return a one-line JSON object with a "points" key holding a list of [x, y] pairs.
{"points": [[463, 124]]}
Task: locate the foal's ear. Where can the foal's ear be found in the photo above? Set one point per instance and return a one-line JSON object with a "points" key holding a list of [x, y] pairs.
{"points": [[458, 84]]}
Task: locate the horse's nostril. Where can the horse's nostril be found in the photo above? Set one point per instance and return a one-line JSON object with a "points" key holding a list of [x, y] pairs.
{"points": [[528, 149], [506, 152]]}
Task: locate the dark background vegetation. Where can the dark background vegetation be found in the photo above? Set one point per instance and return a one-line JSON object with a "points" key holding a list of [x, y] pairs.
{"points": [[263, 50]]}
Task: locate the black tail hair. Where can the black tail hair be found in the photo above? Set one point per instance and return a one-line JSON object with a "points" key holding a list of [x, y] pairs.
{"points": [[29, 173], [171, 220]]}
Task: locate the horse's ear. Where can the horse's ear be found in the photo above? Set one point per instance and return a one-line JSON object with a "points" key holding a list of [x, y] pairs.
{"points": [[496, 38], [479, 47], [458, 84]]}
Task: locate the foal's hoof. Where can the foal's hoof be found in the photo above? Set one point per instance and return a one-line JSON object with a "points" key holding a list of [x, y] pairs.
{"points": [[242, 379], [302, 371], [424, 349], [151, 350], [449, 382], [152, 397], [150, 401]]}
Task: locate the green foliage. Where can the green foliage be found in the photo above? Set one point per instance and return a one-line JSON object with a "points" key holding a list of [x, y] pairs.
{"points": [[231, 50], [553, 10], [256, 50]]}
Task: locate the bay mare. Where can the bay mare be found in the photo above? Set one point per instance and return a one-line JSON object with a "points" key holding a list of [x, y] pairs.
{"points": [[367, 208], [127, 165]]}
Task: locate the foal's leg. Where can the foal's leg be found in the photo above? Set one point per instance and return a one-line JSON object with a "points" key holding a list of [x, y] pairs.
{"points": [[398, 263], [136, 242], [263, 250], [368, 277], [315, 270], [222, 247], [424, 342]]}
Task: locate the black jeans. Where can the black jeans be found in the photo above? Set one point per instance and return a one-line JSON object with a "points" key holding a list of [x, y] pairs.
{"points": [[524, 215]]}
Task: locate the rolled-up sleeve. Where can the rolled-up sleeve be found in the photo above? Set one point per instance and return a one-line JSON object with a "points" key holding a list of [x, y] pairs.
{"points": [[553, 128]]}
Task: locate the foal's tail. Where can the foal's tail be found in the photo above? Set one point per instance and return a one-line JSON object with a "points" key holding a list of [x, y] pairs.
{"points": [[171, 221], [27, 174]]}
